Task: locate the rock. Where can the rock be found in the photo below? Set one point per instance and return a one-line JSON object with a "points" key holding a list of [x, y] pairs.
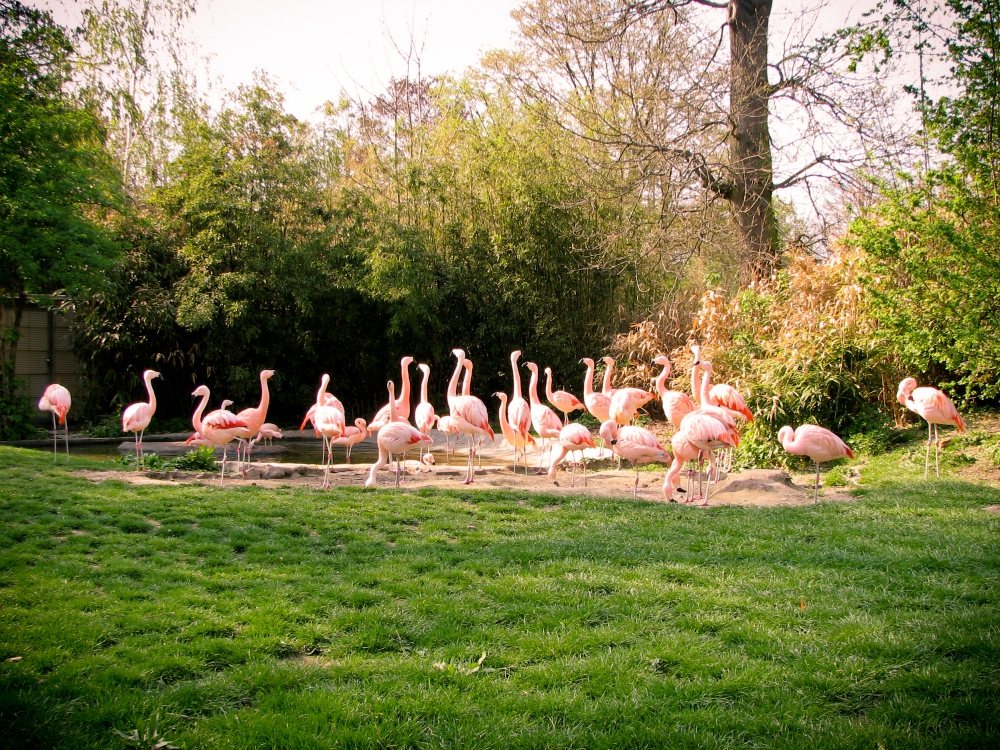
{"points": [[759, 480], [273, 471]]}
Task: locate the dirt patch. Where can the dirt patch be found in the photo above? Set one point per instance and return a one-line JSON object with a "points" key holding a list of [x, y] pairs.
{"points": [[992, 509], [751, 488]]}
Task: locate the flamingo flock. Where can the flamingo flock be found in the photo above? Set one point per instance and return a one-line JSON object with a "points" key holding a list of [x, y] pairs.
{"points": [[707, 424]]}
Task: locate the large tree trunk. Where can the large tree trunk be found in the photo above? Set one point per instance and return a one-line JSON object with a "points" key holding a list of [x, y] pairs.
{"points": [[752, 181]]}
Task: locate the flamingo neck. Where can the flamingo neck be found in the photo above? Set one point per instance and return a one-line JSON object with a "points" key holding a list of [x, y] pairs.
{"points": [[588, 381], [423, 387], [265, 396], [548, 384], [321, 393], [152, 396], [695, 392], [404, 393], [661, 380], [706, 380], [196, 419], [467, 379], [533, 388], [505, 427], [453, 383], [392, 403], [606, 388], [517, 379]]}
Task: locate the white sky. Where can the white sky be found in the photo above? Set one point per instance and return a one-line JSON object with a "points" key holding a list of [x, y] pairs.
{"points": [[316, 49]]}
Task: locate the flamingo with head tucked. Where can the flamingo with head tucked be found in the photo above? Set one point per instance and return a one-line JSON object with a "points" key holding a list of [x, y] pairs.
{"points": [[136, 417], [564, 401], [396, 438], [814, 441], [635, 444], [56, 399], [935, 407]]}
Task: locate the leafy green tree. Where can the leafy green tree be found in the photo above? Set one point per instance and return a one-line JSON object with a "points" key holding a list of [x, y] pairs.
{"points": [[56, 182]]}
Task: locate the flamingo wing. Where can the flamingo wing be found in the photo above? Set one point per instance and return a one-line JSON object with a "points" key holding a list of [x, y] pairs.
{"points": [[820, 444], [728, 397]]}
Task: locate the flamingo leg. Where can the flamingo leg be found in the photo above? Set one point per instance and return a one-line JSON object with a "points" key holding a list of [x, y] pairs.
{"points": [[937, 451], [67, 441], [222, 474], [816, 486], [712, 470], [635, 487], [927, 457], [397, 472], [55, 439], [584, 471]]}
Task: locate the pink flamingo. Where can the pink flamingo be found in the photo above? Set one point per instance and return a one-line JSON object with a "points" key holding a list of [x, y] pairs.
{"points": [[254, 417], [609, 368], [676, 404], [467, 391], [512, 436], [270, 431], [572, 438], [402, 403], [728, 416], [56, 399], [597, 402], [219, 427], [935, 407], [448, 427], [564, 401], [635, 444], [396, 438], [818, 443], [518, 411], [469, 415], [707, 432], [545, 421], [626, 402], [684, 451], [352, 435], [324, 399], [424, 416], [136, 417], [329, 422]]}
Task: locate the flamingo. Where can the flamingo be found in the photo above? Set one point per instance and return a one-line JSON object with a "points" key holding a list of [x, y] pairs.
{"points": [[818, 443], [402, 403], [329, 422], [626, 402], [351, 436], [424, 416], [707, 432], [562, 400], [609, 368], [935, 407], [635, 444], [676, 404], [254, 417], [270, 431], [728, 417], [136, 417], [518, 411], [597, 402], [396, 438], [469, 414], [512, 436], [447, 425], [467, 391], [56, 399], [684, 451], [327, 400], [219, 427], [572, 438], [545, 421]]}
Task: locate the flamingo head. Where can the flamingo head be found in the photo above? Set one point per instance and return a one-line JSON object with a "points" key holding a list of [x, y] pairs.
{"points": [[785, 435], [459, 354], [548, 371], [906, 387], [361, 424], [226, 404], [425, 369], [706, 366], [609, 432], [266, 374], [664, 360], [609, 361], [201, 390], [467, 364], [502, 396], [587, 361], [515, 355], [532, 366], [696, 351], [428, 459], [149, 375], [392, 390]]}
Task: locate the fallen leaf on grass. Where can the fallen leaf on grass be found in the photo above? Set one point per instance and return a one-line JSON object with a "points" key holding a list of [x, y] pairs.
{"points": [[452, 669], [15, 658]]}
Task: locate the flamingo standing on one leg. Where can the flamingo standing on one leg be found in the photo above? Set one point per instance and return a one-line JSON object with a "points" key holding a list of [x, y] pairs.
{"points": [[635, 444], [352, 435], [396, 438], [572, 438], [402, 403], [545, 421], [935, 407], [136, 417], [564, 401], [469, 415], [219, 427], [518, 410], [424, 416], [512, 436], [818, 443], [56, 399]]}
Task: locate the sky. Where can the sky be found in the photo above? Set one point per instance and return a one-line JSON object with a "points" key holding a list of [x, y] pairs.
{"points": [[316, 49]]}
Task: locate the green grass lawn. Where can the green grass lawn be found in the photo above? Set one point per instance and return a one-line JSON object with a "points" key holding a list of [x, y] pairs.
{"points": [[254, 618]]}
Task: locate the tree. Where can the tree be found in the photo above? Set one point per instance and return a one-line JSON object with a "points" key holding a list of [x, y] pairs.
{"points": [[56, 181], [652, 81]]}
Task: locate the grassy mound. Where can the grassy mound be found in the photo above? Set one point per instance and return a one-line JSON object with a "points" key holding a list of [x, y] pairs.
{"points": [[243, 617]]}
